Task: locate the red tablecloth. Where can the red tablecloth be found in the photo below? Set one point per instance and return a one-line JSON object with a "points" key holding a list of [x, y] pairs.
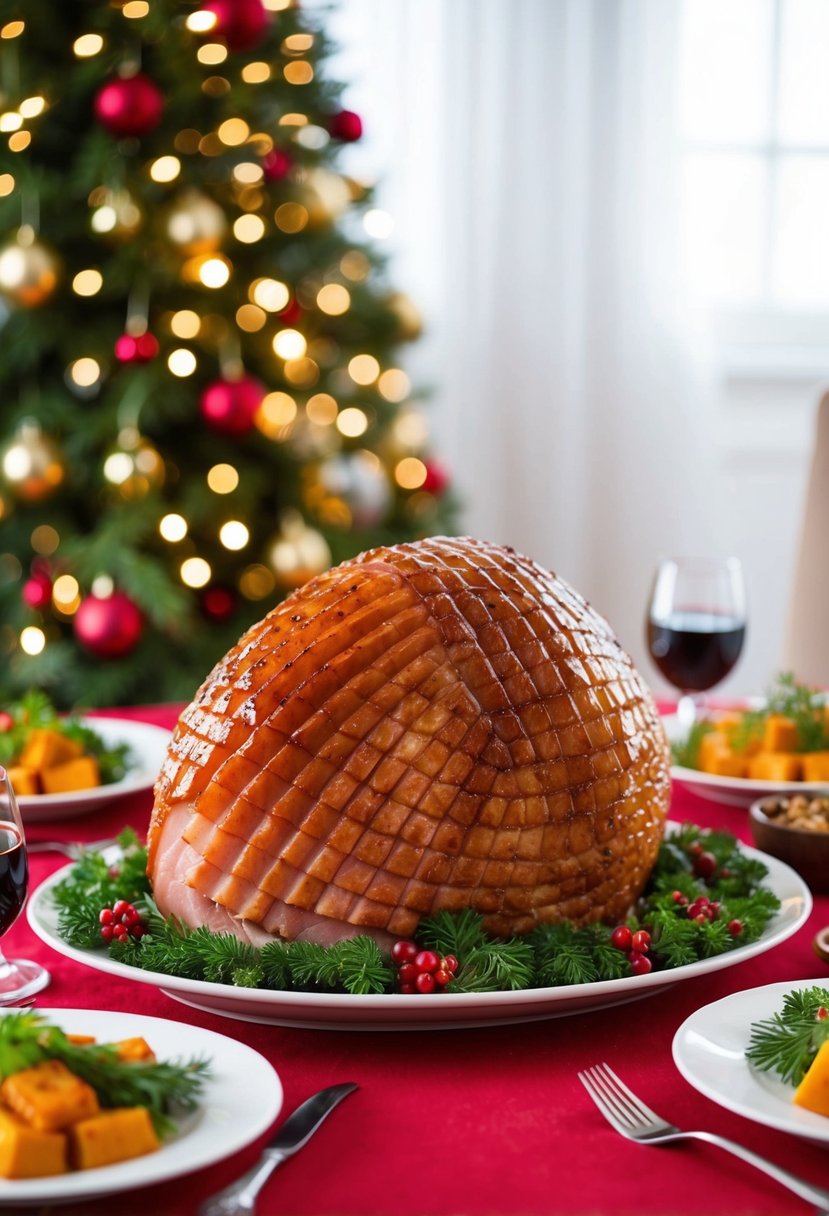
{"points": [[490, 1121]]}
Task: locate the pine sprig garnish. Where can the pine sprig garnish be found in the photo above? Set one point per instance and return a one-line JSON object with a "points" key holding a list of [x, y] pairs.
{"points": [[26, 1039], [550, 956], [788, 1042]]}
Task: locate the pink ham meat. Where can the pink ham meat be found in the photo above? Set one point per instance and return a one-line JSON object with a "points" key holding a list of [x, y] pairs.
{"points": [[435, 725]]}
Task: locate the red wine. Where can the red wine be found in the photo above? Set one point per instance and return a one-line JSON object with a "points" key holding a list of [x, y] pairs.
{"points": [[695, 650], [14, 875]]}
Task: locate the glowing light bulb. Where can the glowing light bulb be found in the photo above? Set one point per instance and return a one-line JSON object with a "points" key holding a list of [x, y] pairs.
{"points": [[289, 344], [173, 527], [195, 572], [222, 478], [363, 369], [269, 294], [87, 282], [185, 323], [182, 362], [352, 422], [32, 640], [234, 535], [88, 45], [165, 169], [410, 473], [333, 299]]}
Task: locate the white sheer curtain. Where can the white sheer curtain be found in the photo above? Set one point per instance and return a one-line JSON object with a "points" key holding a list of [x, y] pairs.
{"points": [[524, 149]]}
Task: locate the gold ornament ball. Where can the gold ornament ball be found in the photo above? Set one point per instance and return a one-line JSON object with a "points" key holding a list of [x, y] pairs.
{"points": [[32, 464], [28, 270], [297, 552], [116, 215], [133, 466], [195, 223], [325, 195]]}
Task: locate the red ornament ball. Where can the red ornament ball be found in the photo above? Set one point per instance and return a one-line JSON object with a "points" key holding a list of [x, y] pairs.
{"points": [[37, 591], [276, 165], [229, 406], [241, 23], [437, 478], [110, 627], [130, 105], [218, 603], [140, 349], [345, 125]]}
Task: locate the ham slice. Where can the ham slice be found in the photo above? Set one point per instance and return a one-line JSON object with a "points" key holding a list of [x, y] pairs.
{"points": [[434, 725]]}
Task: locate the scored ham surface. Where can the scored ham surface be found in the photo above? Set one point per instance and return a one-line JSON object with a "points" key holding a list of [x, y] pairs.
{"points": [[434, 725]]}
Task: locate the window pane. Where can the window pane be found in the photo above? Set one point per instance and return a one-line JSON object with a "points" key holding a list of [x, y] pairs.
{"points": [[725, 72], [725, 203], [804, 78], [800, 257]]}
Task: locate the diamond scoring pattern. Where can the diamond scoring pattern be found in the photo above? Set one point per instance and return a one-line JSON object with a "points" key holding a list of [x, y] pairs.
{"points": [[440, 724]]}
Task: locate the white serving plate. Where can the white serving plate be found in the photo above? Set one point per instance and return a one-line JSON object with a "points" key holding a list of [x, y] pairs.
{"points": [[148, 745], [709, 1050], [734, 791], [240, 1100], [446, 1010]]}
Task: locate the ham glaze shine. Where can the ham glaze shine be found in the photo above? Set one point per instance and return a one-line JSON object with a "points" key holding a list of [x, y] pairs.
{"points": [[434, 725]]}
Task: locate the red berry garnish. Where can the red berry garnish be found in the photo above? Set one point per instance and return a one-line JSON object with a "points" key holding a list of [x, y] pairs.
{"points": [[621, 937], [107, 932], [442, 978], [679, 898], [449, 963], [699, 908], [735, 927], [821, 1013], [408, 973], [425, 982], [640, 964], [6, 721], [641, 941], [427, 962], [403, 952], [408, 989], [713, 909], [132, 916], [106, 916], [705, 865], [120, 907], [137, 931]]}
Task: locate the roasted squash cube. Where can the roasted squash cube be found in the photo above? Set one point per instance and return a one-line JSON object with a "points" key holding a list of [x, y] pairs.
{"points": [[46, 747], [776, 766], [816, 766], [135, 1050], [723, 762], [24, 780], [780, 734], [82, 1040], [49, 1097], [28, 1153], [113, 1135], [813, 1090], [80, 774]]}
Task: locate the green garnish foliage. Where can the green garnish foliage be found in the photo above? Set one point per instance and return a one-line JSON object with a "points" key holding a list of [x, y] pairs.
{"points": [[26, 1040], [685, 752], [788, 1042], [551, 955], [35, 711]]}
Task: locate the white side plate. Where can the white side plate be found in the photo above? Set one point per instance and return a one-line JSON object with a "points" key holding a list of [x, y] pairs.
{"points": [[709, 1050], [241, 1099]]}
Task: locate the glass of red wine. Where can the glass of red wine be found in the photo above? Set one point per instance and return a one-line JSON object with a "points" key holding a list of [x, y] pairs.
{"points": [[18, 977], [696, 625]]}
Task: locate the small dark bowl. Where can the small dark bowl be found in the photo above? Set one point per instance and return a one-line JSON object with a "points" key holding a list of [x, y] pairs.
{"points": [[804, 850]]}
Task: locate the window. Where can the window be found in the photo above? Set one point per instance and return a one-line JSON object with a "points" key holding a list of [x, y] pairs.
{"points": [[754, 122]]}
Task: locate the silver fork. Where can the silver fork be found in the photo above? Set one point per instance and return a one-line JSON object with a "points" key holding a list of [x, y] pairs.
{"points": [[72, 849], [632, 1118]]}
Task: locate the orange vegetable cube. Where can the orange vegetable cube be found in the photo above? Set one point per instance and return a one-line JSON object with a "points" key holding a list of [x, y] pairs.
{"points": [[813, 1091], [723, 762], [24, 780], [113, 1135], [816, 766], [135, 1050], [48, 1096], [46, 747], [80, 774], [28, 1153], [81, 1040], [776, 766], [780, 734]]}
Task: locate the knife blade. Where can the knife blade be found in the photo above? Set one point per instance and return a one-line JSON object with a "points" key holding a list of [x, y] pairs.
{"points": [[239, 1198]]}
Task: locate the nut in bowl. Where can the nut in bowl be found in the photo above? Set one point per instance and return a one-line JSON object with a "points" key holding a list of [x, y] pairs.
{"points": [[795, 828]]}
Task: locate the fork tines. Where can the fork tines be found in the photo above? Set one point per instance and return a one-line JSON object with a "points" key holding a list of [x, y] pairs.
{"points": [[619, 1105]]}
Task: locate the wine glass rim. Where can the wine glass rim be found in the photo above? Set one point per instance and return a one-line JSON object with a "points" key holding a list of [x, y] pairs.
{"points": [[691, 559]]}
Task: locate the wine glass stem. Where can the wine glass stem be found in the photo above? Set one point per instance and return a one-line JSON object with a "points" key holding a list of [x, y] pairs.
{"points": [[687, 710]]}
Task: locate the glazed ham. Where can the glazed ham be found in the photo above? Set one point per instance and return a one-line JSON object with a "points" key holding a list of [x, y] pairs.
{"points": [[435, 725]]}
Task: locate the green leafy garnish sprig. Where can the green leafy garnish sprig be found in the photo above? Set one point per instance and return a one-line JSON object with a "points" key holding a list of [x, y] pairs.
{"points": [[26, 1040], [788, 1041], [551, 955]]}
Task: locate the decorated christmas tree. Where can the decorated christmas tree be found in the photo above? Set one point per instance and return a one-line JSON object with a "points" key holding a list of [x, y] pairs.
{"points": [[202, 397]]}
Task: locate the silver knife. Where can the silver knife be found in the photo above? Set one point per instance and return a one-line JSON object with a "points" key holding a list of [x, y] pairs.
{"points": [[239, 1198]]}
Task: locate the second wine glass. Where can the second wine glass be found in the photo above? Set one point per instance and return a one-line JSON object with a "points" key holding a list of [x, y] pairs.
{"points": [[696, 624], [19, 978]]}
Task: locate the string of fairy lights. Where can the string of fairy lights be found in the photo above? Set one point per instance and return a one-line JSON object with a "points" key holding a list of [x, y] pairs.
{"points": [[319, 410]]}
